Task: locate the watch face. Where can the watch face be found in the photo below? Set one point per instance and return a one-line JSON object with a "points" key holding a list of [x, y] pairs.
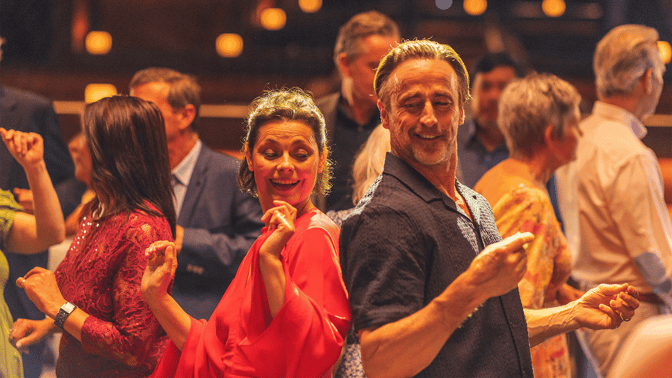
{"points": [[68, 307]]}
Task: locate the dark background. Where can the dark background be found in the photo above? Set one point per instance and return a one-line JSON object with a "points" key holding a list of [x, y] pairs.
{"points": [[44, 51]]}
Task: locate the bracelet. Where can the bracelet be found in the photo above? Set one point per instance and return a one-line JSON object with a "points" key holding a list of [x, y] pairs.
{"points": [[63, 314]]}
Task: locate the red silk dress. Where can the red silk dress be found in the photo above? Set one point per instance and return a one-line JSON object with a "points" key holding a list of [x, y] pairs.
{"points": [[241, 339], [101, 274]]}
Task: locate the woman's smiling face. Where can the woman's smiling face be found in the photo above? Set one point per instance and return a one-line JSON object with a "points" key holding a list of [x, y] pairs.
{"points": [[285, 161]]}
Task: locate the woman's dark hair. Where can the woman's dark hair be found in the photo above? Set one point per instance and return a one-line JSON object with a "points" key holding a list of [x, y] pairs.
{"points": [[288, 105], [129, 154]]}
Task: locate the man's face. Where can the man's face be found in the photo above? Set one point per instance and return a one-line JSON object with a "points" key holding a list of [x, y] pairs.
{"points": [[486, 91], [424, 112], [157, 93], [362, 69]]}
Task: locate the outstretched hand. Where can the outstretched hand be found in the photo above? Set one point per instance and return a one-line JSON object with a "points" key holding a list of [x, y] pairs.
{"points": [[498, 269], [160, 270], [606, 306], [27, 148]]}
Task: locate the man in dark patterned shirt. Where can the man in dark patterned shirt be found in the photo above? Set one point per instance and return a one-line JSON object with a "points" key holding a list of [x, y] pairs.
{"points": [[421, 252]]}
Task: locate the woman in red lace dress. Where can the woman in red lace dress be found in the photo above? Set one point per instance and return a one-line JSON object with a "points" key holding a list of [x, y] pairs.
{"points": [[286, 312], [94, 294]]}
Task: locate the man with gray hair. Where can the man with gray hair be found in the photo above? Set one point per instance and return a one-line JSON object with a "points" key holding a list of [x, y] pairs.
{"points": [[351, 114], [216, 222], [612, 196], [432, 285]]}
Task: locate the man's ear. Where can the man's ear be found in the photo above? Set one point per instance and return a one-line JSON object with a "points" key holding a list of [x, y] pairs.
{"points": [[248, 158], [187, 115], [384, 115], [647, 81], [343, 65], [549, 136]]}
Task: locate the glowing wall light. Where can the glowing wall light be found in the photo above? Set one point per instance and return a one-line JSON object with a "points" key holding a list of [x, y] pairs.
{"points": [[273, 18], [98, 42], [553, 8], [475, 7], [94, 92], [310, 6], [229, 45], [665, 51]]}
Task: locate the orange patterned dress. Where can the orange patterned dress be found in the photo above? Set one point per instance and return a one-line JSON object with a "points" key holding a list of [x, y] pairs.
{"points": [[528, 208]]}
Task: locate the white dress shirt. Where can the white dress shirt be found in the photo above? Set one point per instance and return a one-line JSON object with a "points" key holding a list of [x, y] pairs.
{"points": [[612, 201], [181, 175]]}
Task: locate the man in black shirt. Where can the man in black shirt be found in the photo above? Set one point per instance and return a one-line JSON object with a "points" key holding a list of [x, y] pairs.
{"points": [[421, 252], [351, 114]]}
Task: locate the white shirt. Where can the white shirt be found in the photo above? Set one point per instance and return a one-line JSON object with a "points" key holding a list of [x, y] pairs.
{"points": [[181, 175], [611, 199]]}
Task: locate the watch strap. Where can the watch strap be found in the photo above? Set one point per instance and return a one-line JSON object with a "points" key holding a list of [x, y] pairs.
{"points": [[63, 314]]}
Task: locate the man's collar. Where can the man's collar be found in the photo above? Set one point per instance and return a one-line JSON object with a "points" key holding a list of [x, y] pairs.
{"points": [[621, 115], [186, 167], [415, 181], [342, 111]]}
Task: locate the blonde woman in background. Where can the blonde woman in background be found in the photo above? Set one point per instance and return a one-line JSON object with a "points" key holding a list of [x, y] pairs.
{"points": [[539, 117]]}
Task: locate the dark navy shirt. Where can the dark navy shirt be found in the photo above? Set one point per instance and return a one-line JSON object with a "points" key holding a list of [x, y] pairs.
{"points": [[348, 138], [473, 158], [403, 245]]}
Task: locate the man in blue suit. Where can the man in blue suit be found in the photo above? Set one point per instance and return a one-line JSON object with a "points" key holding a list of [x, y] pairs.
{"points": [[216, 222], [29, 112]]}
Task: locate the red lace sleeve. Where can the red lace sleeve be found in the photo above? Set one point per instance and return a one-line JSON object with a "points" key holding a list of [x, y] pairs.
{"points": [[134, 336]]}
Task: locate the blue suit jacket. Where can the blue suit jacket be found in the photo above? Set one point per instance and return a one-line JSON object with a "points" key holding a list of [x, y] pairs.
{"points": [[220, 224], [28, 112]]}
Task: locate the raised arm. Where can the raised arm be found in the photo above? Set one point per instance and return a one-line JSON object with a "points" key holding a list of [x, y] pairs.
{"points": [[405, 347], [160, 271], [34, 233]]}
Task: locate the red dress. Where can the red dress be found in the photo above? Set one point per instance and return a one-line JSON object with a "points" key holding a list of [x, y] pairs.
{"points": [[101, 274], [241, 339]]}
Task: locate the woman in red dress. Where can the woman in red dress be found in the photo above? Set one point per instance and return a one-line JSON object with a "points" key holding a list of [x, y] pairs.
{"points": [[94, 294], [286, 312]]}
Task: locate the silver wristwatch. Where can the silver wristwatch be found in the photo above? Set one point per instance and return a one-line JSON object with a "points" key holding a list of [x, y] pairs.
{"points": [[63, 314]]}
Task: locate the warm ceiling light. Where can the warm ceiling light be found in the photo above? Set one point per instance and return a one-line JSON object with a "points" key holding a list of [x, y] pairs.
{"points": [[475, 7], [229, 45], [98, 42], [665, 51], [310, 6], [553, 8], [273, 18], [94, 92]]}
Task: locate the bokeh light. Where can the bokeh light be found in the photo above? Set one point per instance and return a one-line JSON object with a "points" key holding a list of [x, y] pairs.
{"points": [[273, 18], [229, 45], [554, 8], [310, 6], [98, 42], [94, 92], [665, 51], [475, 7], [443, 4]]}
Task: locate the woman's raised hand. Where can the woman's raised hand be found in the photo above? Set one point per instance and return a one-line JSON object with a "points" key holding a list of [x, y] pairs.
{"points": [[27, 148], [160, 270], [280, 219]]}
